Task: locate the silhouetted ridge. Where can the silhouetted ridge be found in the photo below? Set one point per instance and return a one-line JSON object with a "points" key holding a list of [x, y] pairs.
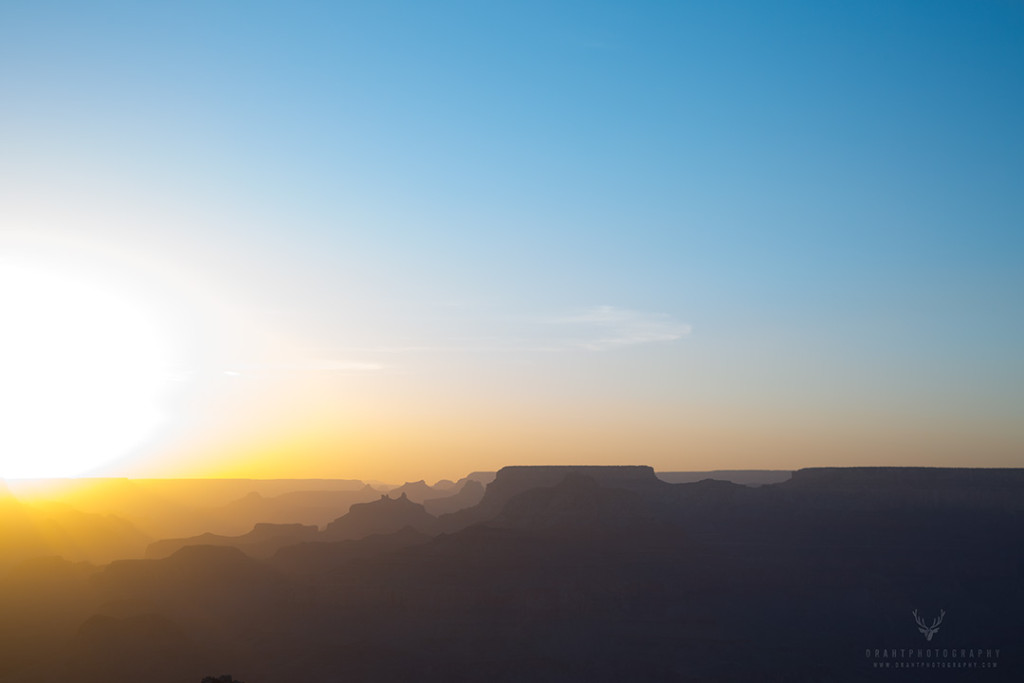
{"points": [[263, 541], [149, 512], [469, 494], [15, 519], [417, 491], [578, 501], [888, 487], [515, 479], [57, 529], [383, 516], [573, 580], [181, 508], [208, 564], [939, 477], [49, 570], [484, 478], [317, 507]]}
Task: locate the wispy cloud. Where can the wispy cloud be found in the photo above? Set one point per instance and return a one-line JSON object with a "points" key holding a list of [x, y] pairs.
{"points": [[481, 335], [602, 328], [597, 328]]}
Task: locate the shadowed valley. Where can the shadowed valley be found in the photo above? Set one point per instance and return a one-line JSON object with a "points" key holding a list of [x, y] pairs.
{"points": [[548, 573]]}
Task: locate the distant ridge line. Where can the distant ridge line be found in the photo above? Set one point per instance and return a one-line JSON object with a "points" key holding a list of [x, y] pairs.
{"points": [[818, 476]]}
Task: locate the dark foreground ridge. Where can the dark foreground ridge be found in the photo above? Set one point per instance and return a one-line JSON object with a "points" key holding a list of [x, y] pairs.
{"points": [[567, 574]]}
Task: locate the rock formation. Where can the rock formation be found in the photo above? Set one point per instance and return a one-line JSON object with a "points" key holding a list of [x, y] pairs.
{"points": [[383, 516]]}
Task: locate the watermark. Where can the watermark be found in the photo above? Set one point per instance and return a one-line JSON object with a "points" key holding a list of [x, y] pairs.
{"points": [[906, 656], [932, 658], [928, 631]]}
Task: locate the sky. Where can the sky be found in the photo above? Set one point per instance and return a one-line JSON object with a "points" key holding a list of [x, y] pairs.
{"points": [[400, 240]]}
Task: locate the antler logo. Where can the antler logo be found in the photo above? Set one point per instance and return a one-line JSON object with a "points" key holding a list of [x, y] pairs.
{"points": [[928, 631]]}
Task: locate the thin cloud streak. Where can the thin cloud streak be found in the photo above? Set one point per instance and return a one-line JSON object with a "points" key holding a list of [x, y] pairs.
{"points": [[598, 328], [612, 328]]}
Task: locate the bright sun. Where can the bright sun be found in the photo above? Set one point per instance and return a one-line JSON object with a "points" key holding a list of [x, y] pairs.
{"points": [[82, 372]]}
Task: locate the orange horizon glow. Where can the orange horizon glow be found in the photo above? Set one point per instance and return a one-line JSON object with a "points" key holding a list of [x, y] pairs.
{"points": [[104, 387]]}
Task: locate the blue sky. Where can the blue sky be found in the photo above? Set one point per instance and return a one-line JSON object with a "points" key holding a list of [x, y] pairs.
{"points": [[797, 218]]}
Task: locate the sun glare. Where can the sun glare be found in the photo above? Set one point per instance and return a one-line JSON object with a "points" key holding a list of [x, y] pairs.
{"points": [[82, 372]]}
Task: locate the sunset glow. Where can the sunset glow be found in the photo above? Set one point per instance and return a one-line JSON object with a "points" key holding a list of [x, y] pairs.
{"points": [[424, 342], [84, 369], [411, 241]]}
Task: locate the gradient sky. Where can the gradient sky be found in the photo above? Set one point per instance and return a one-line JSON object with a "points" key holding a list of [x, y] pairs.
{"points": [[398, 240]]}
